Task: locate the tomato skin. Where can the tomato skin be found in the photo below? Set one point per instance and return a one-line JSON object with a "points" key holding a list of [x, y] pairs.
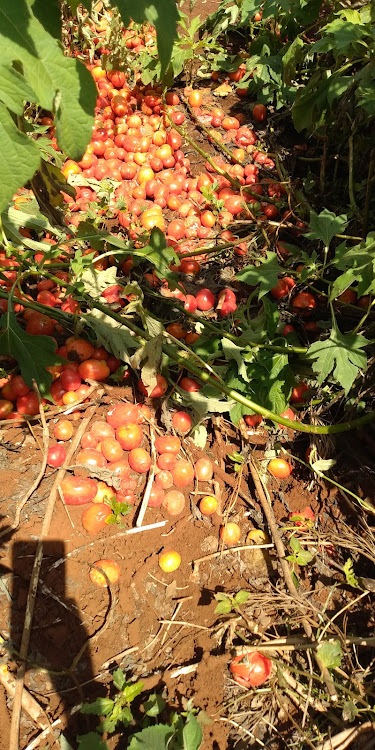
{"points": [[203, 469], [78, 490], [297, 393], [122, 414], [279, 468], [208, 505], [110, 568], [174, 502], [91, 458], [111, 449], [169, 561], [94, 369], [157, 391], [63, 430], [94, 517], [182, 473], [166, 461], [230, 534], [181, 421], [28, 404], [167, 444], [164, 480], [156, 496], [252, 420], [205, 300], [283, 287], [130, 436], [259, 112], [250, 670], [190, 385], [56, 455], [304, 301], [101, 430], [139, 460]]}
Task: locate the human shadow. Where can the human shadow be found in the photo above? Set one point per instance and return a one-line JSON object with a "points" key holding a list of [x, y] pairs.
{"points": [[59, 668]]}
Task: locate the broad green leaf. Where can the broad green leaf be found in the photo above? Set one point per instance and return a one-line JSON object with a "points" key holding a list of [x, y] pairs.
{"points": [[99, 707], [119, 679], [341, 356], [159, 254], [33, 353], [358, 264], [49, 15], [265, 274], [19, 156], [14, 90], [232, 351], [346, 34], [96, 281], [91, 741], [241, 597], [163, 15], [205, 402], [149, 358], [152, 738], [107, 725], [311, 101], [325, 225], [154, 705], [291, 58], [131, 691], [111, 334], [28, 216], [223, 607], [192, 733], [330, 654]]}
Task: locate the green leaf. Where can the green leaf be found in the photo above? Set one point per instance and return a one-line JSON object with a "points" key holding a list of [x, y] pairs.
{"points": [[131, 691], [199, 436], [232, 351], [205, 402], [358, 264], [325, 225], [94, 282], [350, 576], [111, 334], [33, 353], [150, 356], [266, 274], [119, 679], [152, 738], [19, 157], [155, 705], [91, 741], [107, 725], [99, 707], [349, 711], [28, 216], [159, 254], [291, 58], [14, 90], [341, 355], [330, 654], [223, 608], [162, 15], [241, 597], [192, 733]]}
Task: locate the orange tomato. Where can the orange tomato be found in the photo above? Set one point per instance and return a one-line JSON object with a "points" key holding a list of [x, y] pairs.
{"points": [[230, 534], [169, 561]]}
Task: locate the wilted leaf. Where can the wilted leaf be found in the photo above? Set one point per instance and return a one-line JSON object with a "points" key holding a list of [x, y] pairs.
{"points": [[330, 654]]}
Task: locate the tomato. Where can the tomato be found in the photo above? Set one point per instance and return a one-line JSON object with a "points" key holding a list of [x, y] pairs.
{"points": [[119, 468], [104, 493], [252, 420], [164, 479], [110, 568], [288, 414], [139, 460], [279, 468], [18, 386], [6, 408], [169, 561], [297, 393], [70, 380], [57, 392], [288, 329], [203, 469], [348, 296], [259, 112], [230, 123], [304, 301], [40, 325], [129, 436], [299, 516], [245, 137], [159, 389], [56, 455], [167, 444], [101, 430], [181, 421], [174, 502], [250, 670], [156, 496], [234, 204], [145, 414], [208, 505], [176, 330], [182, 473], [121, 414], [205, 300], [231, 533], [78, 490], [94, 369], [94, 517], [28, 404], [111, 449], [226, 303], [364, 302], [166, 461], [190, 385], [283, 287], [79, 349], [195, 98]]}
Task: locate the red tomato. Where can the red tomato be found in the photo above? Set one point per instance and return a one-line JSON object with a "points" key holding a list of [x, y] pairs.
{"points": [[157, 391], [259, 113], [40, 325], [111, 449], [94, 369], [139, 460], [304, 301], [122, 414], [231, 533], [92, 458], [252, 420], [250, 670], [164, 479], [119, 468], [166, 461], [297, 393], [283, 287], [279, 468], [203, 469], [28, 404], [129, 436], [288, 329], [70, 380], [181, 421], [190, 385], [195, 98], [78, 490], [6, 408], [205, 300], [167, 444], [18, 386], [102, 430], [288, 414], [79, 349], [226, 303], [56, 455], [182, 473], [94, 517], [110, 568], [156, 496], [299, 516]]}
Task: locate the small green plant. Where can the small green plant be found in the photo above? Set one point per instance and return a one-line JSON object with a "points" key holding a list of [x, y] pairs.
{"points": [[227, 602], [299, 556], [118, 510]]}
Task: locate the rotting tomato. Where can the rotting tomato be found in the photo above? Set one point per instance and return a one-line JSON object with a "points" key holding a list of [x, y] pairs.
{"points": [[298, 517], [164, 479], [174, 502], [279, 468], [110, 568], [95, 516], [250, 670], [230, 533], [78, 490]]}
